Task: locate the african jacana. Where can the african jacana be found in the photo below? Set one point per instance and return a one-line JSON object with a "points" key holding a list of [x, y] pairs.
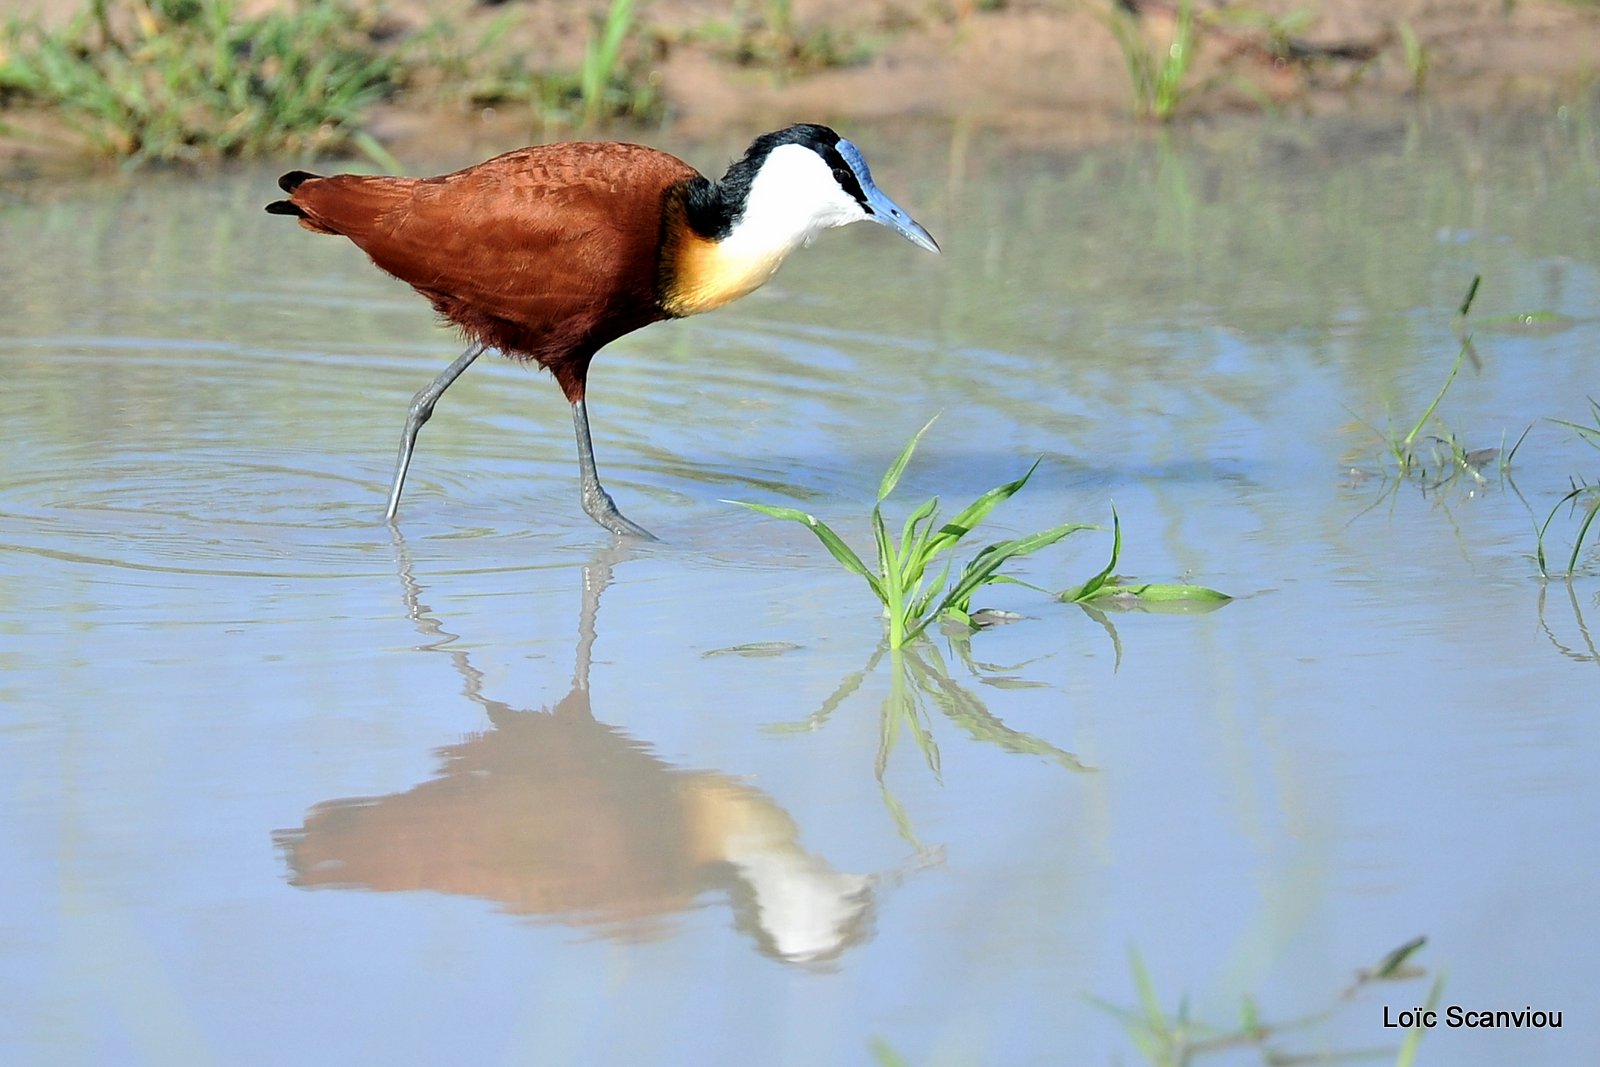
{"points": [[552, 252]]}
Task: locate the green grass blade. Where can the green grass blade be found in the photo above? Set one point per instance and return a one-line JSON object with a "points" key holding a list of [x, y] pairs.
{"points": [[885, 1055], [373, 150], [830, 540], [974, 513], [1408, 1047], [1023, 546], [1587, 431], [1583, 532], [919, 608], [1505, 463], [1544, 528], [891, 578], [908, 533], [1007, 579], [1428, 414], [891, 477], [887, 561], [982, 570], [1168, 593], [1590, 434], [1390, 966], [1107, 584], [601, 56], [913, 562], [1154, 1017], [1250, 1017], [618, 21], [1083, 593]]}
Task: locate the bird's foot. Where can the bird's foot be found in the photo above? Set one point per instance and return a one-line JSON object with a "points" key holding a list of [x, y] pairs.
{"points": [[602, 509]]}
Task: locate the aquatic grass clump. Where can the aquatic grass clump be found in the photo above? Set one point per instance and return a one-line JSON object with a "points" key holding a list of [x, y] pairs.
{"points": [[1584, 499], [1401, 448], [1434, 459], [910, 600], [184, 79]]}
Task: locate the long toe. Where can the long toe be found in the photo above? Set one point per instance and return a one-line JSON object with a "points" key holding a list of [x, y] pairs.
{"points": [[602, 509], [622, 526]]}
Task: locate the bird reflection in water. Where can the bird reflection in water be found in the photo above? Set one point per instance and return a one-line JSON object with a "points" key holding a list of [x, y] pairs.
{"points": [[555, 814]]}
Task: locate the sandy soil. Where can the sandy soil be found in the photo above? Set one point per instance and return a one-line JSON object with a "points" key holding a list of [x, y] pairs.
{"points": [[1034, 69]]}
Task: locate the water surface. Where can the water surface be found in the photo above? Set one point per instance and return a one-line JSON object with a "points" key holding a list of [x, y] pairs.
{"points": [[286, 785]]}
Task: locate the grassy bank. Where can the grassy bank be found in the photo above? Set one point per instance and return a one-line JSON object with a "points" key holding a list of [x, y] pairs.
{"points": [[201, 79], [189, 80]]}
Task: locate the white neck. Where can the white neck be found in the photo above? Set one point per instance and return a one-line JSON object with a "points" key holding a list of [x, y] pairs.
{"points": [[794, 197]]}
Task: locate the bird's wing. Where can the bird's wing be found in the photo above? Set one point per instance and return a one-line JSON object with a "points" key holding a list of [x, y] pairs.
{"points": [[533, 237]]}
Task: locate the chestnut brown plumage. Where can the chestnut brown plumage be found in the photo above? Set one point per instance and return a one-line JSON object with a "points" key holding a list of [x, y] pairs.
{"points": [[552, 252]]}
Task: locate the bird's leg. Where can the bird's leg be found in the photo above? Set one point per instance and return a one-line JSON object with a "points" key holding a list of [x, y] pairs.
{"points": [[421, 411], [596, 501]]}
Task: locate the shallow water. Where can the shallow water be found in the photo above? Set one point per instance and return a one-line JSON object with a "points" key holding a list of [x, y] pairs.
{"points": [[286, 786]]}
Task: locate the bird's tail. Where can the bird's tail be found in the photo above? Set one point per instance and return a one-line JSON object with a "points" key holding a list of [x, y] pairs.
{"points": [[346, 204], [289, 183]]}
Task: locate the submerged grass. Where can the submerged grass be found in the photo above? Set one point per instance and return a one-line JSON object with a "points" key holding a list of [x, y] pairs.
{"points": [[1177, 1039], [1584, 499]]}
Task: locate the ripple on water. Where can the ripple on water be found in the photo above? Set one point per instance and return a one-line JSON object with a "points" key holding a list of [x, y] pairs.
{"points": [[210, 457], [229, 515], [207, 457]]}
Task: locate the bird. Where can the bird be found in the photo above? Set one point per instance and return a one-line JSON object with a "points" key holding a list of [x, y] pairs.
{"points": [[551, 252]]}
